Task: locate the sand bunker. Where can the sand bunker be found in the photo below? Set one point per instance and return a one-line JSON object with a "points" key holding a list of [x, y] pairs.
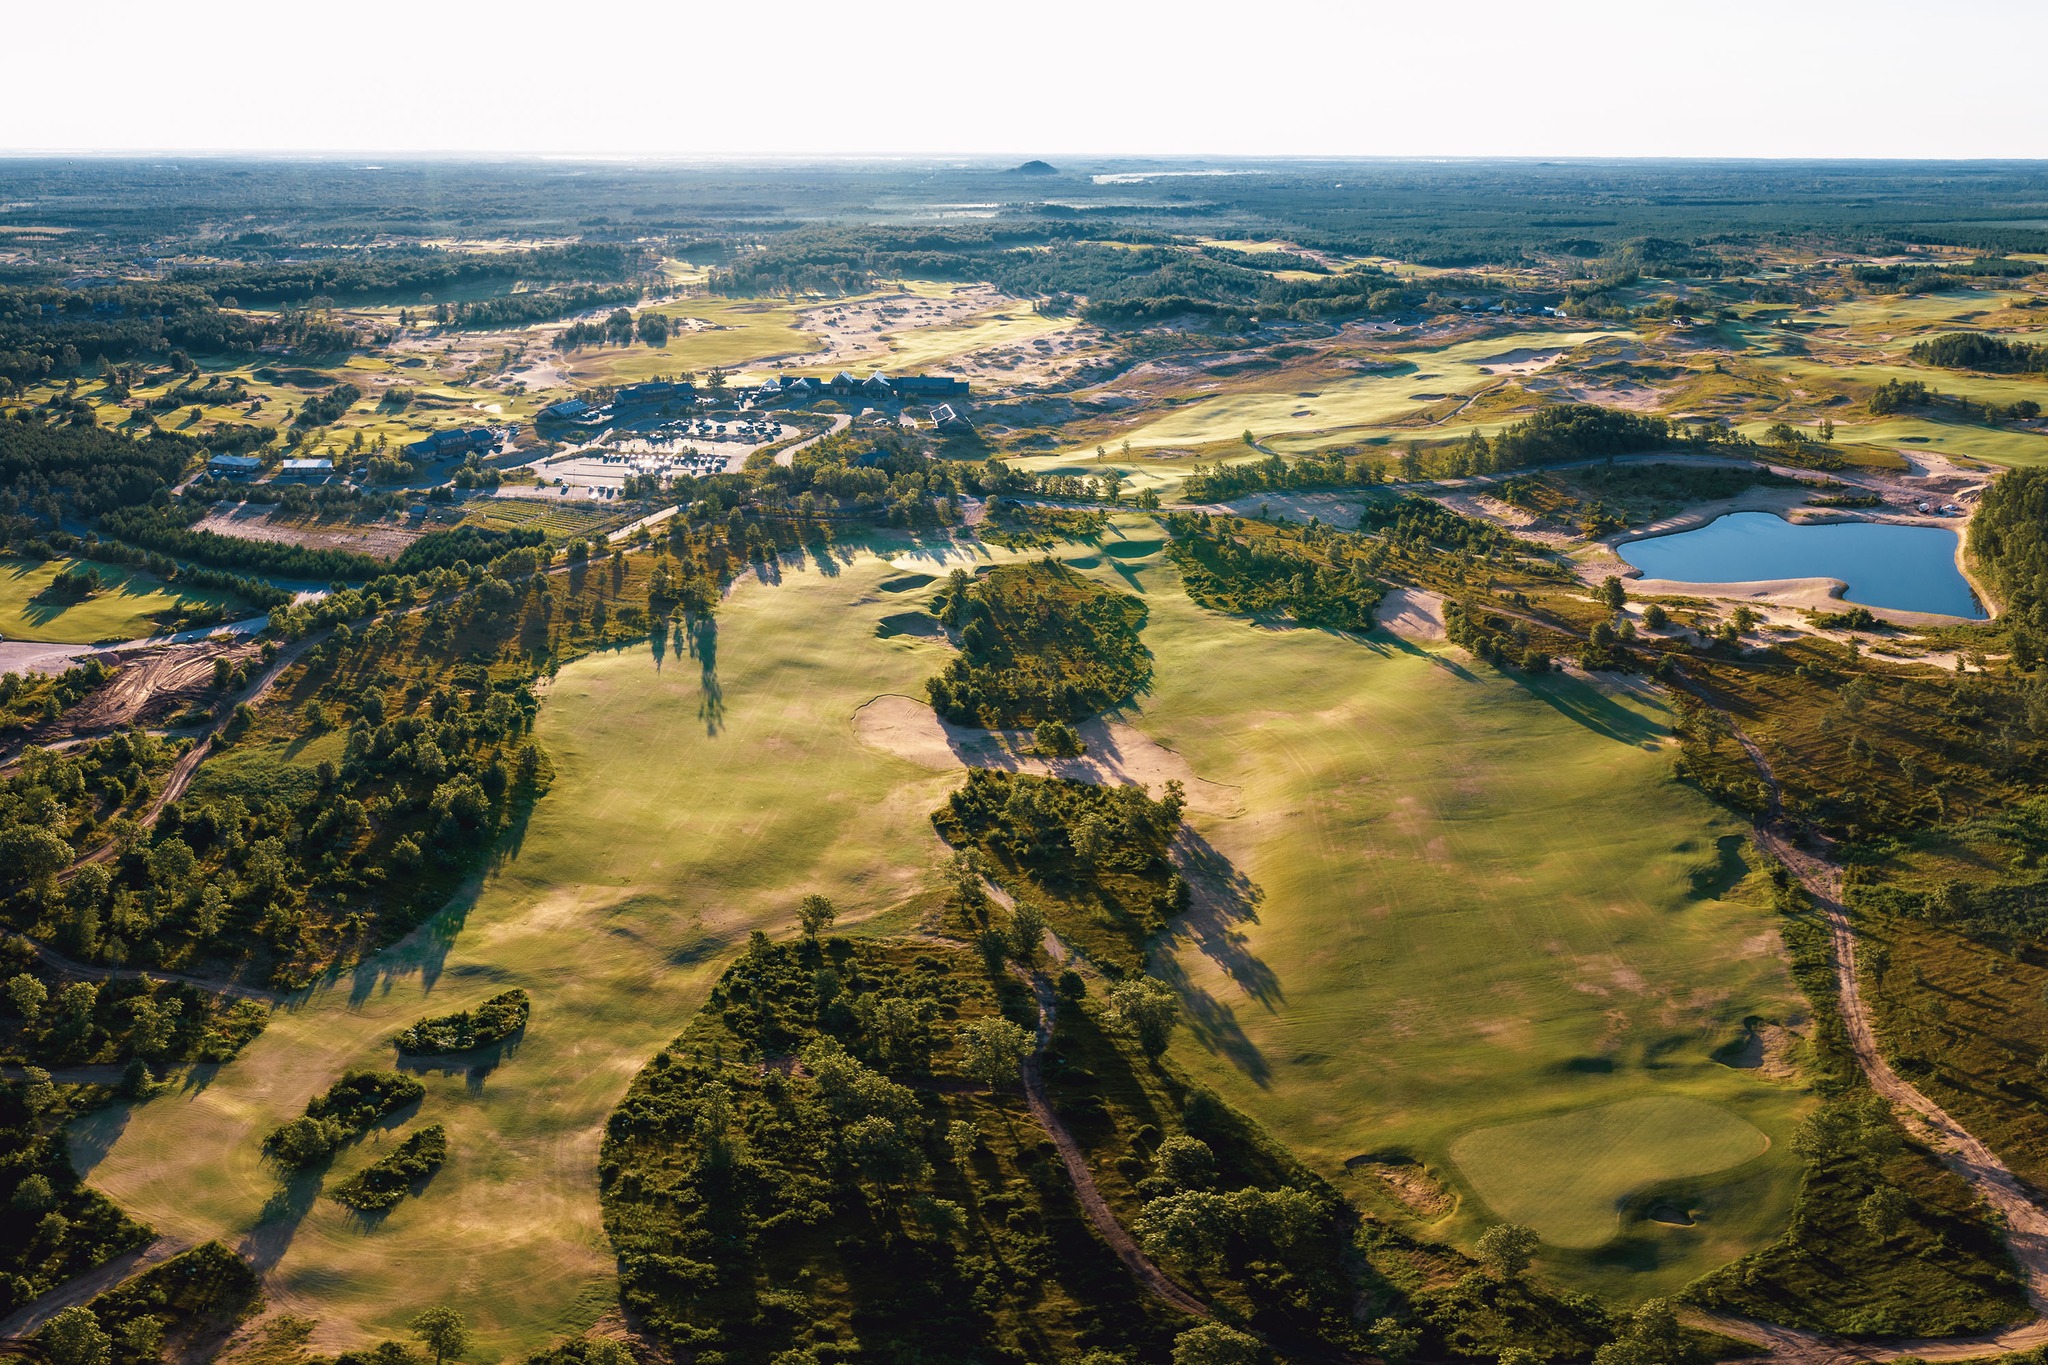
{"points": [[1117, 754], [1413, 614], [1521, 360]]}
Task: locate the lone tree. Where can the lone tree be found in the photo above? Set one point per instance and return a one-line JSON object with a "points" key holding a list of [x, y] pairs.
{"points": [[1148, 1011], [815, 915], [443, 1332], [1612, 593], [1883, 1212], [75, 1337], [1506, 1249], [995, 1050], [1212, 1343]]}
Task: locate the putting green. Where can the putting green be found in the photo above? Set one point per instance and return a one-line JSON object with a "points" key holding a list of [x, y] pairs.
{"points": [[127, 608], [692, 805], [1567, 1176]]}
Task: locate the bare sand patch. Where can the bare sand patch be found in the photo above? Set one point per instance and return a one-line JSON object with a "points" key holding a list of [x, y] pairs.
{"points": [[1118, 753], [1413, 614], [1411, 1184], [259, 521]]}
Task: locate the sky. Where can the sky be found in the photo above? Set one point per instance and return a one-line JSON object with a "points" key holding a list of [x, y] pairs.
{"points": [[979, 78]]}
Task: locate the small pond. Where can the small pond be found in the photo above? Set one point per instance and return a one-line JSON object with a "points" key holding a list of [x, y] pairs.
{"points": [[1906, 568]]}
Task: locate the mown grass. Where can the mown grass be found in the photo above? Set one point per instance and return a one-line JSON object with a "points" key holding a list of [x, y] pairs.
{"points": [[1569, 1175]]}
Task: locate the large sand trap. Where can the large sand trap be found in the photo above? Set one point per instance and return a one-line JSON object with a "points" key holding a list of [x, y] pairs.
{"points": [[1521, 360], [1413, 614], [1117, 753]]}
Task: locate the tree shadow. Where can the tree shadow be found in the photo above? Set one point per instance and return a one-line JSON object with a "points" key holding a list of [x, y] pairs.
{"points": [[473, 1065], [265, 1244], [1585, 704], [1220, 899], [703, 638], [425, 950]]}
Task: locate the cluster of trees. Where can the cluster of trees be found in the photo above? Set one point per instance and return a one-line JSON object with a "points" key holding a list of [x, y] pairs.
{"points": [[344, 1111], [56, 1227], [320, 410], [465, 545], [1500, 640], [1250, 568], [407, 270], [191, 1301], [69, 1022], [385, 1181], [493, 1021], [733, 1181], [1220, 483], [535, 305], [619, 328], [1090, 861], [1037, 642], [94, 471], [2009, 540], [46, 330], [1897, 395], [1982, 351]]}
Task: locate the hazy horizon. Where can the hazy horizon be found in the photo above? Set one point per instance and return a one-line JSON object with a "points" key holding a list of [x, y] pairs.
{"points": [[1480, 79]]}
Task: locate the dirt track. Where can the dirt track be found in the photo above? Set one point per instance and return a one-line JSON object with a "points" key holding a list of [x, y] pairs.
{"points": [[1155, 1280], [2026, 1223]]}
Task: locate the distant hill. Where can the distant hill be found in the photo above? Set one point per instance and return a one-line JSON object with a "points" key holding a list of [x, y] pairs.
{"points": [[1035, 168]]}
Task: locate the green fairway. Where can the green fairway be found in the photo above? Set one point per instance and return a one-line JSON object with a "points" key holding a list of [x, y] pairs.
{"points": [[692, 805], [1345, 407], [1458, 899], [127, 608], [1568, 1176]]}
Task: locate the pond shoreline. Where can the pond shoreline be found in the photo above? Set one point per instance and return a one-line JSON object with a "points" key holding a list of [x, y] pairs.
{"points": [[1810, 591]]}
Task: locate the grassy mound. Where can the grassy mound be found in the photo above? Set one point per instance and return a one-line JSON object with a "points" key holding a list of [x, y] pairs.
{"points": [[495, 1020], [384, 1182], [1567, 1176], [1038, 642]]}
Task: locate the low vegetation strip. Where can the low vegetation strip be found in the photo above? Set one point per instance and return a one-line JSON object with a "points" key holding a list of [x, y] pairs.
{"points": [[346, 1110], [495, 1020], [389, 1179]]}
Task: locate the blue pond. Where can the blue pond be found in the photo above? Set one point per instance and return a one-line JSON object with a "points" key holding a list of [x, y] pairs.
{"points": [[1907, 568]]}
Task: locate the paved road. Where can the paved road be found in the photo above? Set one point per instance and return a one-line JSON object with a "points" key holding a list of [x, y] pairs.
{"points": [[839, 424]]}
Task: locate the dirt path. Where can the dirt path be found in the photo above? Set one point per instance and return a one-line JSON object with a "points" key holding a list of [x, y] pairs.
{"points": [[57, 961], [87, 1287], [2026, 1223], [1155, 1280]]}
